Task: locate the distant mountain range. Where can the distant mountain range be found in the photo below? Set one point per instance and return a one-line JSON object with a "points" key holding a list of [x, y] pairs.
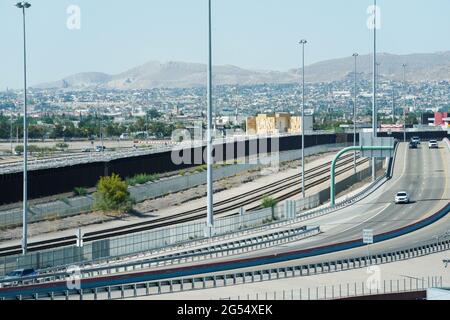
{"points": [[154, 74]]}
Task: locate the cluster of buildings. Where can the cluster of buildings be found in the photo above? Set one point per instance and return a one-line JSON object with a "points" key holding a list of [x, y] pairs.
{"points": [[266, 124], [276, 105], [437, 119]]}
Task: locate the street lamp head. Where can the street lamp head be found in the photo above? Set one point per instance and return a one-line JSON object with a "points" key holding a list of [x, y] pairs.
{"points": [[303, 41], [23, 5], [356, 55]]}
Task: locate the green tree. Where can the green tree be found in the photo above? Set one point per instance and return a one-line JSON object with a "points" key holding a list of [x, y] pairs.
{"points": [[140, 124], [411, 118], [37, 132], [153, 114], [58, 131], [113, 195], [19, 149], [269, 202], [160, 129]]}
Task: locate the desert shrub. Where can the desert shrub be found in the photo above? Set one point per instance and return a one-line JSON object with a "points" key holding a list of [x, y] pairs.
{"points": [[113, 195], [142, 179], [269, 202], [81, 192]]}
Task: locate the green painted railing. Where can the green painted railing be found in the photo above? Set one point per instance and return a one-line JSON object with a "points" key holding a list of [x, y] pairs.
{"points": [[336, 159]]}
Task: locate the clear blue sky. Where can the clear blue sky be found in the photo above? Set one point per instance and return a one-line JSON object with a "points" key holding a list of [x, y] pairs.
{"points": [[258, 34]]}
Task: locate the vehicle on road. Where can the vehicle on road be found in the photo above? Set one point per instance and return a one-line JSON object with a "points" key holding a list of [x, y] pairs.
{"points": [[433, 144], [15, 277], [100, 148], [415, 139], [413, 145], [402, 197], [124, 136]]}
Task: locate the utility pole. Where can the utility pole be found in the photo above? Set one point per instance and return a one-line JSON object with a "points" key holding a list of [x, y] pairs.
{"points": [[23, 6], [303, 43]]}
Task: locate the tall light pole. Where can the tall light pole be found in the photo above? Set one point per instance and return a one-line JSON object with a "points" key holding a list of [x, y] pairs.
{"points": [[24, 5], [355, 55], [303, 43], [404, 107], [374, 87], [209, 161], [393, 104], [101, 132], [11, 132]]}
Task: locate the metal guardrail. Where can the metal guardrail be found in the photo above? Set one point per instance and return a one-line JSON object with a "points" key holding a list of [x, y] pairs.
{"points": [[219, 250], [348, 290], [195, 255], [183, 284]]}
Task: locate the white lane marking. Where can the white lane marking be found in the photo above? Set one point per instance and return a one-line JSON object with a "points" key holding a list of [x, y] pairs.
{"points": [[363, 222]]}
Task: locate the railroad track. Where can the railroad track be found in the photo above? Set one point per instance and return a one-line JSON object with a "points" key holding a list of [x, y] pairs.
{"points": [[192, 215]]}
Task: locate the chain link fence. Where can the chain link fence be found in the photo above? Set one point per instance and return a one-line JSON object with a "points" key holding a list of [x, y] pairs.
{"points": [[117, 247]]}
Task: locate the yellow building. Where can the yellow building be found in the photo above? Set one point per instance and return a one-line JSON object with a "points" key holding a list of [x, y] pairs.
{"points": [[273, 124], [251, 125]]}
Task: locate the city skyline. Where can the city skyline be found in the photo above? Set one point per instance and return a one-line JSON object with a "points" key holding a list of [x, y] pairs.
{"points": [[110, 39]]}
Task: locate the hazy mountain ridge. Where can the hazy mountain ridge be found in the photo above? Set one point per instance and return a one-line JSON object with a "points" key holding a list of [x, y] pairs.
{"points": [[154, 74]]}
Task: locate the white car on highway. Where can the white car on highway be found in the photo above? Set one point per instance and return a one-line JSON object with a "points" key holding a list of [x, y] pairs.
{"points": [[402, 197], [433, 144]]}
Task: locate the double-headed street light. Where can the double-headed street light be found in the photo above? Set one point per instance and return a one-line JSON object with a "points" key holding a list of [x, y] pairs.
{"points": [[355, 55], [209, 161], [303, 43], [24, 5], [374, 86]]}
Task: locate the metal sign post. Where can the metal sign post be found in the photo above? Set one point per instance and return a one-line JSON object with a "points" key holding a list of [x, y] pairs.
{"points": [[79, 236], [368, 239]]}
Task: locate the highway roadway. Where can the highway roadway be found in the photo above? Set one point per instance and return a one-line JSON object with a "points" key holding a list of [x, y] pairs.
{"points": [[423, 173]]}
